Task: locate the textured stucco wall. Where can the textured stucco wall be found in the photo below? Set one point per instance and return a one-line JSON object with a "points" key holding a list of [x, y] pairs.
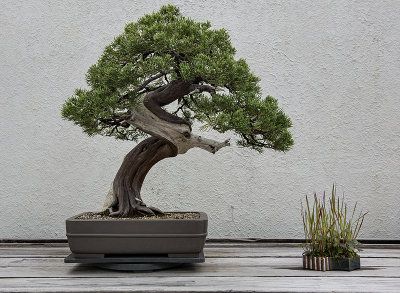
{"points": [[333, 65]]}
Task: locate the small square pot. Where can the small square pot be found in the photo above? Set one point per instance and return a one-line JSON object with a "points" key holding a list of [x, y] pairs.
{"points": [[344, 264]]}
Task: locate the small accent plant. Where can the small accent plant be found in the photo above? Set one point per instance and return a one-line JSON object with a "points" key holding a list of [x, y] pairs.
{"points": [[329, 231]]}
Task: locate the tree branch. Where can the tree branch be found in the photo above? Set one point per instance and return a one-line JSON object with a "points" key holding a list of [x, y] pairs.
{"points": [[142, 88], [178, 134], [143, 85], [150, 123], [171, 92], [154, 120], [199, 88], [207, 144]]}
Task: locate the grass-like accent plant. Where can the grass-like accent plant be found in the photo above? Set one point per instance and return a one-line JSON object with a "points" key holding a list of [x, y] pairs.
{"points": [[329, 231]]}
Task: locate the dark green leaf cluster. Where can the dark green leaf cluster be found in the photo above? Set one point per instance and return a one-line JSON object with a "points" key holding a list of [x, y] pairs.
{"points": [[166, 46], [259, 122]]}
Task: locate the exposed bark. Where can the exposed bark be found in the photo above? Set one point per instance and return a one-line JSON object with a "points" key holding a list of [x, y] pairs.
{"points": [[171, 135], [130, 176], [170, 93]]}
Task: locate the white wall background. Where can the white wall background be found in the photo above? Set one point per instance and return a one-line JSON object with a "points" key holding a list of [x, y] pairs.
{"points": [[333, 65]]}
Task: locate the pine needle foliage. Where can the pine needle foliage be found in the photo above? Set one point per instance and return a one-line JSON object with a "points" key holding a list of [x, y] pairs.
{"points": [[329, 230], [165, 46]]}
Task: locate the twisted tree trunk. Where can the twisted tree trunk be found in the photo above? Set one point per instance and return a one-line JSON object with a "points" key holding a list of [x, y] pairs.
{"points": [[131, 174], [171, 135]]}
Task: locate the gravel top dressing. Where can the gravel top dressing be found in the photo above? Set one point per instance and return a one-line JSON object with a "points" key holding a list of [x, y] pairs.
{"points": [[104, 216]]}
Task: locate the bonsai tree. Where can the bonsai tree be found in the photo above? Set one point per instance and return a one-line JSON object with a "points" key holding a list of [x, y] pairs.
{"points": [[166, 59]]}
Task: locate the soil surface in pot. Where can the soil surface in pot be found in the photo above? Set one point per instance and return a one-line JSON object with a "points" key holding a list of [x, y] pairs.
{"points": [[105, 216]]}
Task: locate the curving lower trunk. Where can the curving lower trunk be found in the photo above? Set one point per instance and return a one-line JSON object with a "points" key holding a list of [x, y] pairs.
{"points": [[130, 176]]}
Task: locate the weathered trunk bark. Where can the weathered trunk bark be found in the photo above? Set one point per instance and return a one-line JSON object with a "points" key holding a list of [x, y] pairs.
{"points": [[171, 135], [130, 176]]}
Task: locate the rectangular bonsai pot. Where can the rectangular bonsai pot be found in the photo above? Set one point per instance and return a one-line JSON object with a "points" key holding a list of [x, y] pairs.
{"points": [[174, 237]]}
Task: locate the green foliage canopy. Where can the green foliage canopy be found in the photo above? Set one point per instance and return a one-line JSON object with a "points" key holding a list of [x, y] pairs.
{"points": [[166, 46]]}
